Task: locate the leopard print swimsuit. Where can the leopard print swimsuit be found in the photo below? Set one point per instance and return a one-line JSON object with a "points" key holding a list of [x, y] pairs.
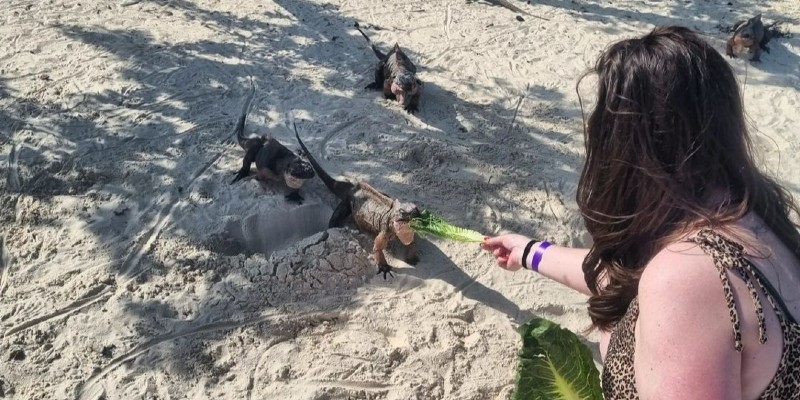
{"points": [[618, 374]]}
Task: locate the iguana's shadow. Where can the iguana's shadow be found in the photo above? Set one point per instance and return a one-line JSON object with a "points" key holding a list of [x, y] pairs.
{"points": [[781, 64], [434, 264]]}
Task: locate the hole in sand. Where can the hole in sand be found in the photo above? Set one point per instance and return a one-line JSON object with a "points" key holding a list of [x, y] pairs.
{"points": [[275, 230]]}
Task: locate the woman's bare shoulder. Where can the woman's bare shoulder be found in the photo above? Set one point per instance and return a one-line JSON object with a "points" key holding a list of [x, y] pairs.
{"points": [[682, 308], [680, 268]]}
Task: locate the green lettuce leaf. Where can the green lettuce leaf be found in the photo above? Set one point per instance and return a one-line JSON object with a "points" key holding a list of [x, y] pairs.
{"points": [[555, 364], [429, 223]]}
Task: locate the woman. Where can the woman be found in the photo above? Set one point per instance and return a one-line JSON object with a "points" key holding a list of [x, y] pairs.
{"points": [[693, 274]]}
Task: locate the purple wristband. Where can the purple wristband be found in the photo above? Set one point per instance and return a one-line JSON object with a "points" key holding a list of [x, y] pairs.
{"points": [[537, 255]]}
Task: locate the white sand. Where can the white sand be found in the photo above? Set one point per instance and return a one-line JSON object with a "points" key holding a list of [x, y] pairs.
{"points": [[130, 277]]}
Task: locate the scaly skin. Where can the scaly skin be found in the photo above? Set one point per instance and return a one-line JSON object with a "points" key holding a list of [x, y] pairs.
{"points": [[748, 34], [395, 75], [376, 213], [273, 160], [373, 212]]}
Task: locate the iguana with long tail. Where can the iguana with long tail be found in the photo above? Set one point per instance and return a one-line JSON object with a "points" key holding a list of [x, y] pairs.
{"points": [[273, 160], [395, 75], [373, 211]]}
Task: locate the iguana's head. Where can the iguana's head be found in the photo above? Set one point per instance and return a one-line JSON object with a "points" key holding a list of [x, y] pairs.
{"points": [[404, 87], [297, 172], [747, 34], [402, 214]]}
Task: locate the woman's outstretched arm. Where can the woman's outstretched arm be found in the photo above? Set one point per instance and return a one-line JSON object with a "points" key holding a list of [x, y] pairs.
{"points": [[561, 264]]}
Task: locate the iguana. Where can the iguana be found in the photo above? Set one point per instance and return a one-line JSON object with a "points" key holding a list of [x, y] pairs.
{"points": [[373, 211], [749, 34], [395, 75], [273, 160], [507, 4]]}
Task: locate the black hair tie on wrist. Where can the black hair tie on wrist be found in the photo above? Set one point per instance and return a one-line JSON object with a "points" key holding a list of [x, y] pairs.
{"points": [[525, 253]]}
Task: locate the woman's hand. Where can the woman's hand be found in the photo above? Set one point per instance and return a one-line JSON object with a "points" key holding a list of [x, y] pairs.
{"points": [[507, 249]]}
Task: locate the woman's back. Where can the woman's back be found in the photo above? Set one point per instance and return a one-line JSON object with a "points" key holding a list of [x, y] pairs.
{"points": [[684, 294], [778, 268]]}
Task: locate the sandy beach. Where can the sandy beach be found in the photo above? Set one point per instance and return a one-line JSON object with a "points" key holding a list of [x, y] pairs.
{"points": [[137, 271]]}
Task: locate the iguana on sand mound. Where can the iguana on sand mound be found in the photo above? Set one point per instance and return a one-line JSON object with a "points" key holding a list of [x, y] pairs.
{"points": [[749, 34], [373, 212], [273, 160], [395, 74]]}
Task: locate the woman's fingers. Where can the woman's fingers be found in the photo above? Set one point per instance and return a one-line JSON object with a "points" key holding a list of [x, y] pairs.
{"points": [[493, 241], [502, 263], [500, 252], [506, 249]]}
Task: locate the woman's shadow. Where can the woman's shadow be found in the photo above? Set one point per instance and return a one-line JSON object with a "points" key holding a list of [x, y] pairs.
{"points": [[435, 265]]}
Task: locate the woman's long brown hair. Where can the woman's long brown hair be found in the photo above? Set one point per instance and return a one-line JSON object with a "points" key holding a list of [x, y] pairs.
{"points": [[667, 132]]}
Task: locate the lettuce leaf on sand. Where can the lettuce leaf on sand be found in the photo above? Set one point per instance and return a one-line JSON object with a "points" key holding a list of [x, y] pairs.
{"points": [[555, 364], [429, 223]]}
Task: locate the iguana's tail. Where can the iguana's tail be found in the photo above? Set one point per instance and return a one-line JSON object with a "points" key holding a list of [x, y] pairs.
{"points": [[375, 50], [240, 138], [338, 188]]}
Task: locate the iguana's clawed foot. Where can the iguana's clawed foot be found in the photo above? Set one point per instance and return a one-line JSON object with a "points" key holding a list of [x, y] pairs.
{"points": [[239, 176], [411, 108], [294, 197], [385, 269]]}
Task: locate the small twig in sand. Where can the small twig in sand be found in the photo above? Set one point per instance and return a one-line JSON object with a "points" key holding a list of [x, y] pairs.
{"points": [[497, 217], [550, 205], [516, 110], [744, 85], [12, 175], [5, 264]]}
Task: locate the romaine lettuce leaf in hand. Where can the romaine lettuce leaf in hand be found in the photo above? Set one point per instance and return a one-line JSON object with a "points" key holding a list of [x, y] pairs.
{"points": [[555, 364], [432, 224]]}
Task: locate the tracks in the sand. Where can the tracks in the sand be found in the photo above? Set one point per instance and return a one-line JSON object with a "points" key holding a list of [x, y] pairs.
{"points": [[131, 263], [323, 145], [128, 266], [86, 390], [138, 350]]}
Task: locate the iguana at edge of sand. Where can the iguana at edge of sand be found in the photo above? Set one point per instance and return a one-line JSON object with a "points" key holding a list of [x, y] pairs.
{"points": [[373, 211], [395, 75], [273, 160], [508, 5], [749, 34]]}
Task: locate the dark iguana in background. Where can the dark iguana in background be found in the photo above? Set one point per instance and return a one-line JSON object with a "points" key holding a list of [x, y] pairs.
{"points": [[750, 34], [273, 160], [373, 211], [395, 74]]}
